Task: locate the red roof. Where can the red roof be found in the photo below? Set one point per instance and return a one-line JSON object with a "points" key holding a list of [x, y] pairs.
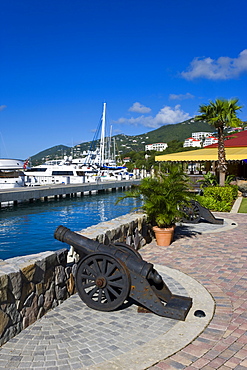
{"points": [[237, 139], [191, 138]]}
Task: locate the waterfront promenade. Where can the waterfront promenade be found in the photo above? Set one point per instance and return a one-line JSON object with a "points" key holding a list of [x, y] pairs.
{"points": [[23, 194], [214, 257]]}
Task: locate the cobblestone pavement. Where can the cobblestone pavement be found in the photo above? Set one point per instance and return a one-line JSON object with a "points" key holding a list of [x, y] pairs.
{"points": [[72, 336], [219, 262]]}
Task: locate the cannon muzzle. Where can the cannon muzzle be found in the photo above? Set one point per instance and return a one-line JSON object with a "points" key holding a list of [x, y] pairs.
{"points": [[82, 244]]}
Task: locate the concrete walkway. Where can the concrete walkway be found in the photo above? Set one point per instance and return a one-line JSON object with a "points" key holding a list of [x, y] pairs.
{"points": [[209, 267]]}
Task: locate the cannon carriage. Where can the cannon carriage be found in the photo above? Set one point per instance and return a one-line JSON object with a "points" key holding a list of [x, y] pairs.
{"points": [[194, 212], [108, 275]]}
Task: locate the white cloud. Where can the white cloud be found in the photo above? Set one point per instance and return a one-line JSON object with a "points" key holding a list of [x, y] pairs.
{"points": [[2, 107], [166, 115], [117, 131], [139, 108], [223, 68], [181, 96]]}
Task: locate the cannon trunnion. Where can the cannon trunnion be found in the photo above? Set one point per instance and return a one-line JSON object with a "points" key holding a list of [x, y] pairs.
{"points": [[108, 275]]}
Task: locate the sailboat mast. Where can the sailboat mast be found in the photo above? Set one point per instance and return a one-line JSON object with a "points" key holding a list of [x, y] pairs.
{"points": [[102, 138], [109, 146], [114, 150]]}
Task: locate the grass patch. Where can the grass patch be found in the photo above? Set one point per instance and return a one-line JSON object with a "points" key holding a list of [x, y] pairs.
{"points": [[243, 206]]}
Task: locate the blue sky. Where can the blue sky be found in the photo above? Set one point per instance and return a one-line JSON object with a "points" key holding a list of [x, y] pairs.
{"points": [[152, 61]]}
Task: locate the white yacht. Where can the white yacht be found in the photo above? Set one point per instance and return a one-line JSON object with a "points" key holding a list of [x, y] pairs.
{"points": [[11, 173], [67, 171], [104, 157], [60, 172], [96, 166]]}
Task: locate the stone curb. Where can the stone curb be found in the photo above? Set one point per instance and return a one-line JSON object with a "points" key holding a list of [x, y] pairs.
{"points": [[236, 205], [179, 336]]}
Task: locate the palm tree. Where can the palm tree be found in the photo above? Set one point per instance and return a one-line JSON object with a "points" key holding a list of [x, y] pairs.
{"points": [[221, 114]]}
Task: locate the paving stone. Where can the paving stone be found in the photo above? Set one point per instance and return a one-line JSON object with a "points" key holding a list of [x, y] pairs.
{"points": [[73, 336]]}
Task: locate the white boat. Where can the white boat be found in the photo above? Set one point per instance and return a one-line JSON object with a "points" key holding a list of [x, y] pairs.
{"points": [[11, 173], [60, 172], [96, 166], [67, 172], [104, 158]]}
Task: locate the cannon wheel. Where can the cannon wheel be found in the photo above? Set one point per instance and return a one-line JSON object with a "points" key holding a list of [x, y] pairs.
{"points": [[102, 281], [128, 248], [193, 213]]}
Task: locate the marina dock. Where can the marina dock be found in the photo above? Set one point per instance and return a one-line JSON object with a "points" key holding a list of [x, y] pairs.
{"points": [[30, 194]]}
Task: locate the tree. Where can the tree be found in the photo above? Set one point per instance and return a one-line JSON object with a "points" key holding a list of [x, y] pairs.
{"points": [[221, 114]]}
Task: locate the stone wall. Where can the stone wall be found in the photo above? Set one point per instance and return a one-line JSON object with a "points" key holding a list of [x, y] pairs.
{"points": [[29, 287], [132, 229], [32, 285]]}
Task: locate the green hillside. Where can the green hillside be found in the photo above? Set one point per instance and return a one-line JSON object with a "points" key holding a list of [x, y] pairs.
{"points": [[57, 151], [125, 143], [179, 131]]}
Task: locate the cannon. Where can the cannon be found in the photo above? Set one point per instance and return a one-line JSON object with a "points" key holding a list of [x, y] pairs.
{"points": [[108, 275], [194, 212]]}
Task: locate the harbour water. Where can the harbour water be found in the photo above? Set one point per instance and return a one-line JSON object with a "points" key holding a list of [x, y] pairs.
{"points": [[29, 228]]}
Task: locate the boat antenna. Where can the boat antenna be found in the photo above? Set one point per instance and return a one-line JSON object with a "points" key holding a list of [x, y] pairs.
{"points": [[102, 138]]}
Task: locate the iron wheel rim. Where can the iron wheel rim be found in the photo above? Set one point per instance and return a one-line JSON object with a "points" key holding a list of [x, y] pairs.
{"points": [[193, 213], [102, 281]]}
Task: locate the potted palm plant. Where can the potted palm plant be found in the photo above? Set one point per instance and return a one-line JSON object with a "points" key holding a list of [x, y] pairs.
{"points": [[163, 196]]}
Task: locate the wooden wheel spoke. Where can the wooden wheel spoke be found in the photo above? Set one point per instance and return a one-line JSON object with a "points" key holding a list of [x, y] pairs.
{"points": [[114, 277], [114, 292], [107, 295], [97, 269], [88, 285], [103, 266], [92, 292], [91, 271], [89, 277], [110, 269], [117, 284], [100, 295]]}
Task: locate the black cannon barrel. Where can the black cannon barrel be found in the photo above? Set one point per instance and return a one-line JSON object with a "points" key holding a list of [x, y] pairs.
{"points": [[85, 246], [80, 242]]}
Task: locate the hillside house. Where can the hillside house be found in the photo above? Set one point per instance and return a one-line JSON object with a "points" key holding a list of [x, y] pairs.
{"points": [[159, 147], [210, 140], [191, 142], [200, 135]]}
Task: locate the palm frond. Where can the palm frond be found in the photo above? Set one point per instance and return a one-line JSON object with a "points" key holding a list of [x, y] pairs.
{"points": [[162, 195]]}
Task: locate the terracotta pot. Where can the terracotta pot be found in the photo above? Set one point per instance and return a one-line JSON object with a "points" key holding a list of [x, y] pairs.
{"points": [[164, 236]]}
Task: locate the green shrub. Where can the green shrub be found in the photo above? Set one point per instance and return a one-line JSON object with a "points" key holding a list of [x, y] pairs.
{"points": [[218, 198], [214, 205], [209, 179], [222, 193]]}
